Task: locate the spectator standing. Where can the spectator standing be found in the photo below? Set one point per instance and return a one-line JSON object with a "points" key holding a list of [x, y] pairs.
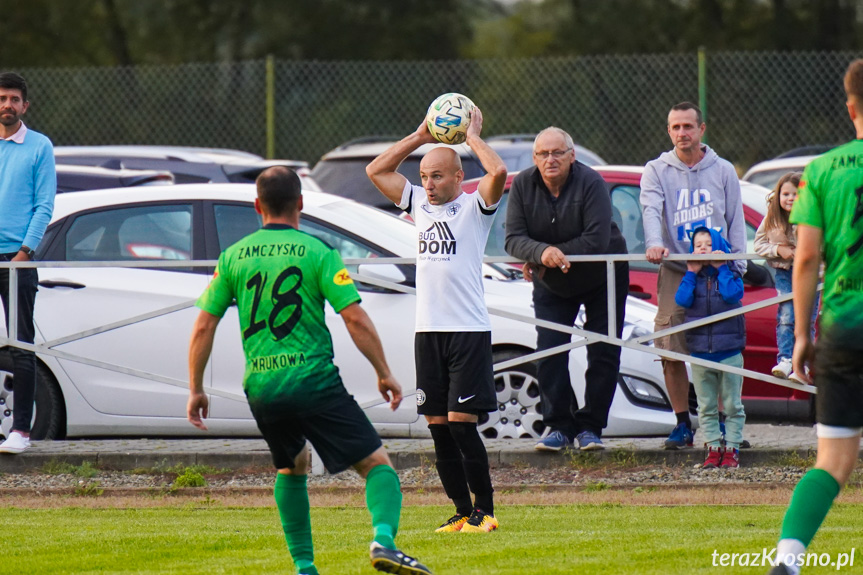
{"points": [[684, 188], [776, 240], [28, 183], [452, 346], [829, 217], [710, 288], [556, 209]]}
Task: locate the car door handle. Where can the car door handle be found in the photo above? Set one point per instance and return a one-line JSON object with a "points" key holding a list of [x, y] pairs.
{"points": [[60, 283], [636, 291]]}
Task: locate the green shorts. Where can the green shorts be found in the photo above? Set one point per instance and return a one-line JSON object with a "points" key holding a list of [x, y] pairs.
{"points": [[341, 434]]}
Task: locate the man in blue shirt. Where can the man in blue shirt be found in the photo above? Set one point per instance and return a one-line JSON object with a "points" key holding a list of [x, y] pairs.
{"points": [[28, 182]]}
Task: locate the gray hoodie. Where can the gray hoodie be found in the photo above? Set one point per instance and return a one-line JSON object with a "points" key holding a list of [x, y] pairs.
{"points": [[676, 199]]}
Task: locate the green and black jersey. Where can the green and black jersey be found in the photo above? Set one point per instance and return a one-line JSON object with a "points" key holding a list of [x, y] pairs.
{"points": [[280, 277], [830, 197]]}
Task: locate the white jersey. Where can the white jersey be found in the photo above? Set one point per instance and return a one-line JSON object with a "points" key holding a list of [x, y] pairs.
{"points": [[450, 247]]}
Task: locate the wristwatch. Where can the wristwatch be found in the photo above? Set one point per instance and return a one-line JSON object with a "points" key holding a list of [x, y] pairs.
{"points": [[30, 252]]}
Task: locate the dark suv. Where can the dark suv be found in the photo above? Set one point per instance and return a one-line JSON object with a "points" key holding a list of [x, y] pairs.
{"points": [[342, 172], [77, 178], [189, 165]]}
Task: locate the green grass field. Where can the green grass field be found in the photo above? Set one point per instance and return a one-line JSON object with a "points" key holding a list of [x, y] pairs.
{"points": [[582, 539]]}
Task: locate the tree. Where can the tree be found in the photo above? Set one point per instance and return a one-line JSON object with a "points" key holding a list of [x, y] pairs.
{"points": [[131, 32]]}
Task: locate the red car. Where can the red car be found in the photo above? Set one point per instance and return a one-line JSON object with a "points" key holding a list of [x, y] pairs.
{"points": [[762, 400]]}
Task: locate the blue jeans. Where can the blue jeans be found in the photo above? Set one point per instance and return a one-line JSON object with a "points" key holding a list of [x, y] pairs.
{"points": [[710, 385], [785, 317]]}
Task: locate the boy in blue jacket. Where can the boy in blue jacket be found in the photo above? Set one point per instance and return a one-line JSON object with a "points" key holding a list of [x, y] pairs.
{"points": [[710, 288]]}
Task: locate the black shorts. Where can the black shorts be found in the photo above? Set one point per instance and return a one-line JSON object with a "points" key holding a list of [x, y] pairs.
{"points": [[454, 372], [341, 434], [839, 377]]}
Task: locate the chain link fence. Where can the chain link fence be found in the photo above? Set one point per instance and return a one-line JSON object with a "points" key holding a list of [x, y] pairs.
{"points": [[758, 104]]}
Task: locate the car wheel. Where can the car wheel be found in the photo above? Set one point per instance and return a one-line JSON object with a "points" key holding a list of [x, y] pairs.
{"points": [[518, 412], [49, 421]]}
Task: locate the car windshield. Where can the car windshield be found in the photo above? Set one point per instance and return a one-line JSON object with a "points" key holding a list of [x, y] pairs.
{"points": [[587, 157], [379, 227], [347, 178], [497, 235], [400, 236], [628, 221], [768, 178]]}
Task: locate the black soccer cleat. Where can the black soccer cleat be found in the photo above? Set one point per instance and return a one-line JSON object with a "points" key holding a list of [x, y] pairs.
{"points": [[780, 569], [394, 561]]}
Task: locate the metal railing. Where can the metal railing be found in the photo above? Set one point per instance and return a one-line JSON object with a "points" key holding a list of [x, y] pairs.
{"points": [[587, 337]]}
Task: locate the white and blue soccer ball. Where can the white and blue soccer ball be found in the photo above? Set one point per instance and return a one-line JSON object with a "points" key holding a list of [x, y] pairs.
{"points": [[448, 118]]}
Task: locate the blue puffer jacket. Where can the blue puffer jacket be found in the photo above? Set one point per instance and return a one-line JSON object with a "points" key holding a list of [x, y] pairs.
{"points": [[709, 292]]}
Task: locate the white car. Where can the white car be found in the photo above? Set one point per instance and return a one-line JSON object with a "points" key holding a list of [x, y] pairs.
{"points": [[768, 172], [132, 379]]}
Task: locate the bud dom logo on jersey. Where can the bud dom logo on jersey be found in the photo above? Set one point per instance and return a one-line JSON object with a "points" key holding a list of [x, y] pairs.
{"points": [[437, 239]]}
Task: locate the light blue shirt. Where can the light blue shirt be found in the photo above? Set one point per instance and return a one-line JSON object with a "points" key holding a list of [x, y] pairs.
{"points": [[28, 183]]}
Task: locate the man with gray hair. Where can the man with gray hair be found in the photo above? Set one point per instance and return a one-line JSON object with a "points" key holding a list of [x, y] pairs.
{"points": [[560, 208]]}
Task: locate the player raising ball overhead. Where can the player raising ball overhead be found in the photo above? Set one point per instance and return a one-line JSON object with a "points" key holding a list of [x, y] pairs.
{"points": [[448, 118], [452, 348]]}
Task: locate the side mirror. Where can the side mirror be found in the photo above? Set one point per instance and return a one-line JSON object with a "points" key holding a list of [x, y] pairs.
{"points": [[385, 272]]}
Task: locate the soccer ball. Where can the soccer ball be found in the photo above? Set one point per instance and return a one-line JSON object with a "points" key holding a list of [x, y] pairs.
{"points": [[448, 118]]}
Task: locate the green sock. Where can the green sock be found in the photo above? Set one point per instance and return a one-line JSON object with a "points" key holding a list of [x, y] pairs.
{"points": [[292, 499], [384, 500], [810, 503]]}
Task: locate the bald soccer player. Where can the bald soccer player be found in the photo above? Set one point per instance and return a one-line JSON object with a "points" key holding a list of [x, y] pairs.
{"points": [[455, 381]]}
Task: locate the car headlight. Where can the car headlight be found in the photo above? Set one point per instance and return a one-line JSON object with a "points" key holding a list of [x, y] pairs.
{"points": [[643, 392]]}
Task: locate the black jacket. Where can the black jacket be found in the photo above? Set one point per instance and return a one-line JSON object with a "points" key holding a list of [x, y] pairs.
{"points": [[578, 223]]}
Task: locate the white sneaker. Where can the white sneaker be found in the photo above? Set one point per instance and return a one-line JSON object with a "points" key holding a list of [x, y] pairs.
{"points": [[782, 369], [797, 378], [15, 443]]}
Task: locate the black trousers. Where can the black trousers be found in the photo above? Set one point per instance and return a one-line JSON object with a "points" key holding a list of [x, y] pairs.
{"points": [[23, 362], [560, 409]]}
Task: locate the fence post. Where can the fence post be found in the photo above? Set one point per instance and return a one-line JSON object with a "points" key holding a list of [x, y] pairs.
{"points": [[610, 278], [271, 107], [702, 85], [13, 305]]}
